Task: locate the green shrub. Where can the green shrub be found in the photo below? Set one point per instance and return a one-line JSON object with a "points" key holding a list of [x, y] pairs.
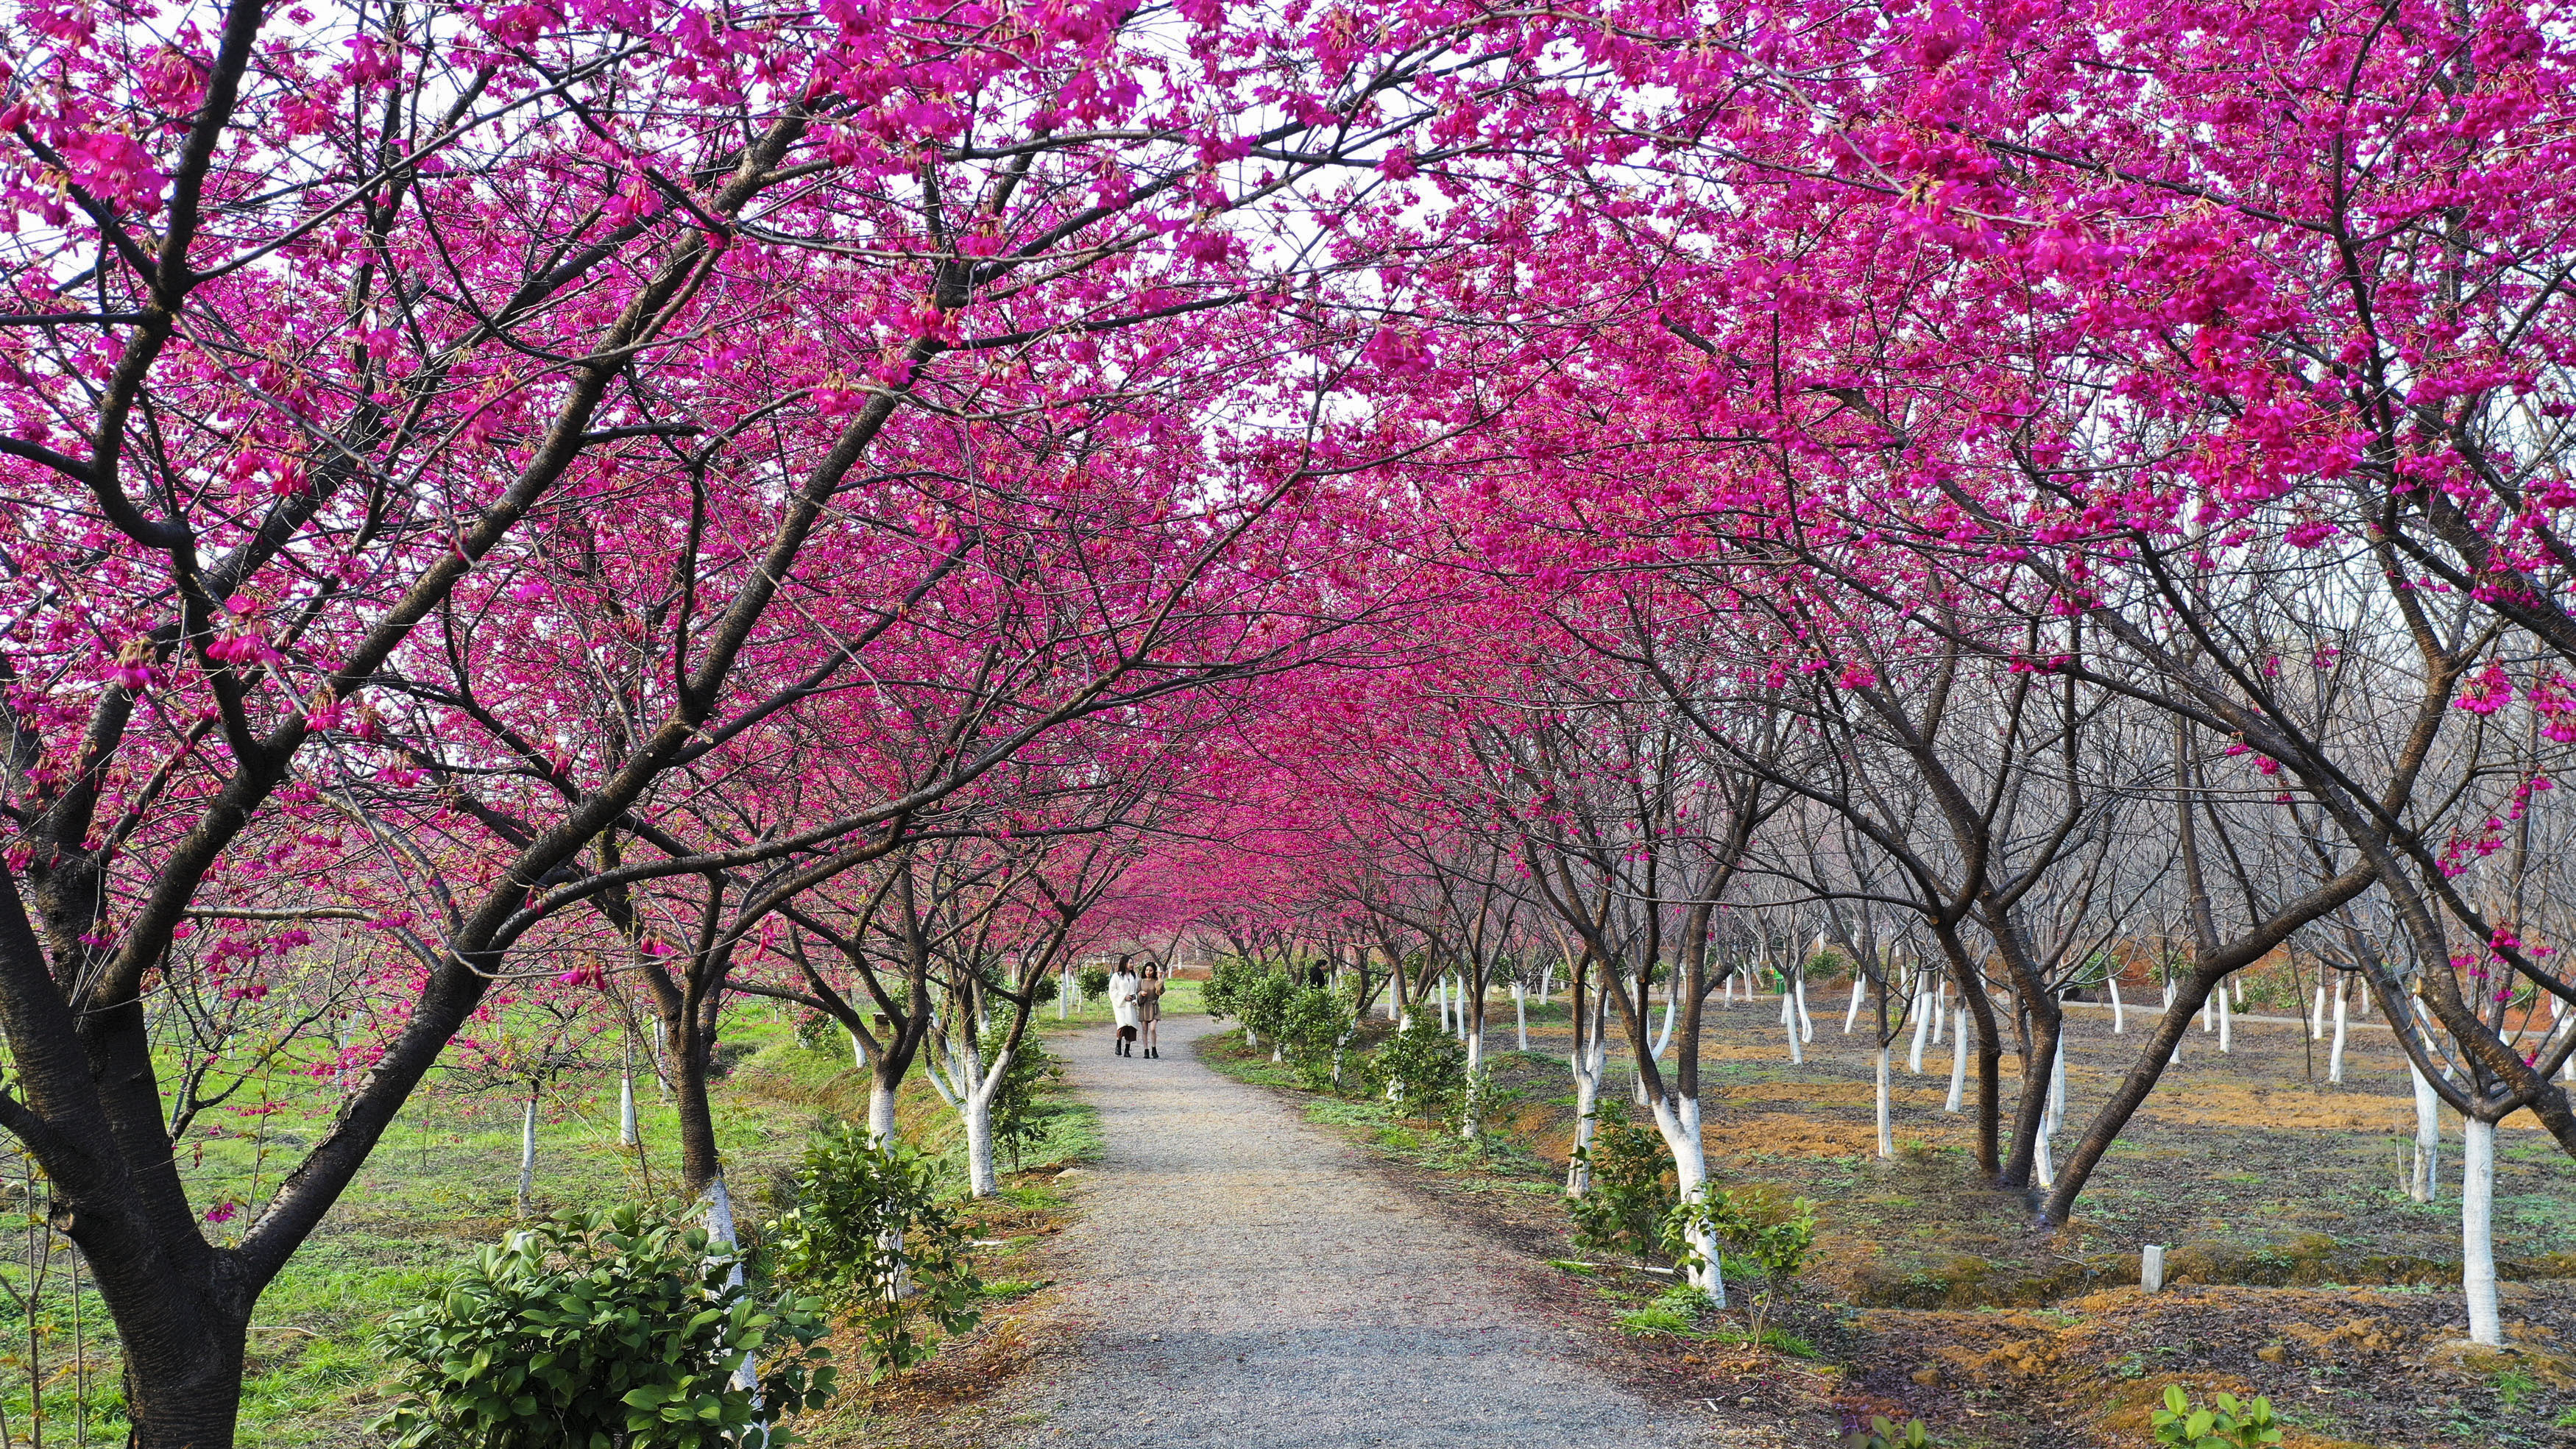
{"points": [[1423, 1070], [1094, 981], [601, 1330], [1017, 1123], [869, 1231], [1262, 1004], [2231, 1425], [1758, 1235], [1317, 1020], [1632, 1190], [1225, 984], [819, 1033]]}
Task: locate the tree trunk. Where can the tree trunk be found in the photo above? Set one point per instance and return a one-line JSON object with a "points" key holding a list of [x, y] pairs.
{"points": [[1922, 1029], [191, 1405], [1677, 1120], [2342, 1033], [1806, 1023], [1789, 1024], [1958, 1059], [2119, 1012], [2424, 1183], [1886, 1128], [977, 1110], [527, 1155], [2477, 1234], [1520, 1014], [2226, 1024], [1853, 1013], [1588, 1062]]}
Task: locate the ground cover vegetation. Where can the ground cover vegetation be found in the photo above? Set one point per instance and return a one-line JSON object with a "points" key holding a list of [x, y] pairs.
{"points": [[527, 533]]}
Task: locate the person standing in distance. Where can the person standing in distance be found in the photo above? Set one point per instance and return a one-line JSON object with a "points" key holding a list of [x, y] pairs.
{"points": [[1123, 983]]}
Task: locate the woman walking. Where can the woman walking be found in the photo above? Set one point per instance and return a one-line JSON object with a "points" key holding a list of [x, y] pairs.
{"points": [[1149, 1008], [1123, 984]]}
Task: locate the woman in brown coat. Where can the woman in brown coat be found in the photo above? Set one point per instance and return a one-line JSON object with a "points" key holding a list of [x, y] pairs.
{"points": [[1149, 1008]]}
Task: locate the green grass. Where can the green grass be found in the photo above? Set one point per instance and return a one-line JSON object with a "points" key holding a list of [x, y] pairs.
{"points": [[439, 1185]]}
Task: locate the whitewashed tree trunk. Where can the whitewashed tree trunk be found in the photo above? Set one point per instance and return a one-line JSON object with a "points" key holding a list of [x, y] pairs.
{"points": [[2226, 1024], [1665, 1037], [2317, 1017], [2424, 1182], [1806, 1023], [1468, 1123], [1958, 1059], [2477, 1235], [721, 1234], [1886, 1124], [1587, 1065], [1520, 1015], [527, 1155], [1789, 1024], [1922, 1032], [2209, 1014], [1940, 1012], [1546, 984], [1677, 1120], [981, 1178], [2119, 1010], [627, 1133], [880, 1111], [2057, 1089], [1853, 1014], [2342, 1033]]}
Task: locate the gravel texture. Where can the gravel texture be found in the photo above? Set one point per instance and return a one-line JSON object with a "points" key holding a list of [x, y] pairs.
{"points": [[1245, 1280]]}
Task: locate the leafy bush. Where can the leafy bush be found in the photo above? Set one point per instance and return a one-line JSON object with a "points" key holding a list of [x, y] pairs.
{"points": [[1767, 1240], [1227, 982], [1633, 1188], [1884, 1435], [1262, 1004], [817, 1032], [869, 1231], [1094, 981], [2231, 1425], [1423, 1070], [1017, 1125], [596, 1330], [1317, 1020]]}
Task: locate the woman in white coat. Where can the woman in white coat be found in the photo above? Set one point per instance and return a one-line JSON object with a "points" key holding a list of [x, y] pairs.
{"points": [[1123, 983]]}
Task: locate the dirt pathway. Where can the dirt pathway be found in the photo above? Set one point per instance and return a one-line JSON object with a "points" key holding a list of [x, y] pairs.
{"points": [[1246, 1281]]}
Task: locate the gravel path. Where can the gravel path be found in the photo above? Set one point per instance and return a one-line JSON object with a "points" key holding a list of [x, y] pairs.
{"points": [[1246, 1281]]}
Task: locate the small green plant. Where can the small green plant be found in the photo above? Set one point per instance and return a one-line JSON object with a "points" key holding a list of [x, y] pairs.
{"points": [[1769, 1241], [2230, 1425], [1882, 1434], [1094, 981], [1317, 1020], [1423, 1070], [869, 1231], [1678, 1311], [2513, 1385], [1632, 1189], [602, 1329], [1017, 1123], [2566, 1420]]}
